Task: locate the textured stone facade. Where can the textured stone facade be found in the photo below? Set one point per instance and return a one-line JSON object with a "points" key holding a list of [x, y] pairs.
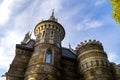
{"points": [[93, 62], [45, 59], [19, 64]]}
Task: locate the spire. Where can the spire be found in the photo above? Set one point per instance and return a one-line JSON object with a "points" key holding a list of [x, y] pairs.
{"points": [[70, 46], [27, 38], [52, 17], [53, 13]]}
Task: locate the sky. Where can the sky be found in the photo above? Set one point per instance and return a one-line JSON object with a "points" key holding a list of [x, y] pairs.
{"points": [[81, 19]]}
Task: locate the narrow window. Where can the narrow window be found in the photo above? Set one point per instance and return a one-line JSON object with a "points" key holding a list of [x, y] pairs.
{"points": [[48, 57], [59, 39], [43, 35], [41, 27], [51, 34]]}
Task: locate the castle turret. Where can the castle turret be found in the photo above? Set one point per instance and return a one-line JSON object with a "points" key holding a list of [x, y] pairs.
{"points": [[92, 61], [45, 61]]}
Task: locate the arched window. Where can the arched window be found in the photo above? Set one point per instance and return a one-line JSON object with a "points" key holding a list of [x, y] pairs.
{"points": [[48, 57], [43, 35], [41, 27], [51, 34]]}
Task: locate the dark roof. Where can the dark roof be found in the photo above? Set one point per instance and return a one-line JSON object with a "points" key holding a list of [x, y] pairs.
{"points": [[66, 52], [29, 45]]}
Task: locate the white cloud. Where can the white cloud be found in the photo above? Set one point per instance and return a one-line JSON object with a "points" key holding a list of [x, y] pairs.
{"points": [[112, 56], [5, 61], [88, 24], [9, 7], [5, 11], [7, 47], [12, 37]]}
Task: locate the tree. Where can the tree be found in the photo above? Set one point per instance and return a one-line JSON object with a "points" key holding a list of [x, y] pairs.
{"points": [[116, 10]]}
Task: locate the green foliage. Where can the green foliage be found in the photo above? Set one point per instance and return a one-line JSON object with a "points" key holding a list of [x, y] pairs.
{"points": [[116, 10]]}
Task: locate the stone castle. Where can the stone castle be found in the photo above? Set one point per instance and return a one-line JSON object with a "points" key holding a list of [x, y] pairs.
{"points": [[45, 59]]}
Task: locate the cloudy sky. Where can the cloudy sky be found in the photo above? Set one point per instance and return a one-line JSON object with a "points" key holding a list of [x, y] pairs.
{"points": [[82, 20]]}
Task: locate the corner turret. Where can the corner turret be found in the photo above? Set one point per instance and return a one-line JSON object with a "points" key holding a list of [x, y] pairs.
{"points": [[93, 61]]}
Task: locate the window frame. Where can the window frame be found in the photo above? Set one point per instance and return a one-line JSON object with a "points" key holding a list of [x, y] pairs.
{"points": [[48, 56]]}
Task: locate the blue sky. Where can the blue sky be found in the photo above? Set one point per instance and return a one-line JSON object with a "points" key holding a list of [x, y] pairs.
{"points": [[82, 20]]}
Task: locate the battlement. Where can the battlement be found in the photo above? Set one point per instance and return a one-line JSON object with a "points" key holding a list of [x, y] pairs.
{"points": [[89, 45]]}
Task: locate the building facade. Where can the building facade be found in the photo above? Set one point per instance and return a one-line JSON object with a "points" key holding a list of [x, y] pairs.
{"points": [[45, 59]]}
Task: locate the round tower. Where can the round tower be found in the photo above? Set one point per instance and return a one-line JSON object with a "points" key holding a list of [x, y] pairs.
{"points": [[45, 61], [93, 61]]}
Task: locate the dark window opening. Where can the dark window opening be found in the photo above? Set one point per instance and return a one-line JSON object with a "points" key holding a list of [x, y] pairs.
{"points": [[51, 34], [43, 34]]}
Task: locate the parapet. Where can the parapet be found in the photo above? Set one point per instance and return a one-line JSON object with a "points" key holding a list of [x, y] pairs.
{"points": [[89, 45]]}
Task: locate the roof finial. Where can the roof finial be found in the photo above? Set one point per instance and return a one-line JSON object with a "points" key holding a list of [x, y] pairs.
{"points": [[52, 17], [70, 46], [53, 12], [27, 38]]}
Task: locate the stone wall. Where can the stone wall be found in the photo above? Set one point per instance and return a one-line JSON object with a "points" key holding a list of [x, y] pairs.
{"points": [[69, 69], [19, 64]]}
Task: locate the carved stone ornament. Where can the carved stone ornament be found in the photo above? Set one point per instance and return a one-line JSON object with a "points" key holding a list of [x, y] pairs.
{"points": [[26, 38]]}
